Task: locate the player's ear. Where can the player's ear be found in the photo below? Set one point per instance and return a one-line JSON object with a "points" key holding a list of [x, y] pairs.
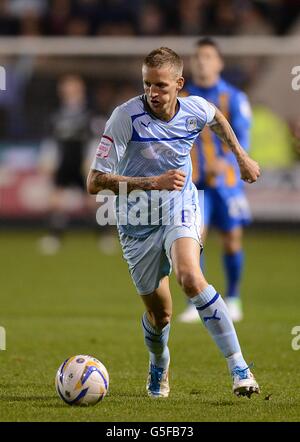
{"points": [[180, 83]]}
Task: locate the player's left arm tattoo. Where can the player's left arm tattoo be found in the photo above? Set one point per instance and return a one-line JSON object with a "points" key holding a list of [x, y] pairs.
{"points": [[222, 128], [249, 168]]}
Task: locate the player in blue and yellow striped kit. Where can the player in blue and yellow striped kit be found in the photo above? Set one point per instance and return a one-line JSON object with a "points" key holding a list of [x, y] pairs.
{"points": [[215, 169]]}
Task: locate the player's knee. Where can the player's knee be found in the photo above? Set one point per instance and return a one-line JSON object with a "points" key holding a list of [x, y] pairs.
{"points": [[232, 245], [161, 319], [190, 282], [232, 241]]}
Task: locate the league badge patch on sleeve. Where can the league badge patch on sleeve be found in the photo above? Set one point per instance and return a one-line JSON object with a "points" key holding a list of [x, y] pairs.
{"points": [[104, 147]]}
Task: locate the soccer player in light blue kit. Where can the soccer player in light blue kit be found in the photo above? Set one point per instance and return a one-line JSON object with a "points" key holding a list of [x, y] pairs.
{"points": [[146, 147], [216, 171]]}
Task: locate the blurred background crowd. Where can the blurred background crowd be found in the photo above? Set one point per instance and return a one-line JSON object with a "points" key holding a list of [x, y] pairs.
{"points": [[146, 17], [34, 93]]}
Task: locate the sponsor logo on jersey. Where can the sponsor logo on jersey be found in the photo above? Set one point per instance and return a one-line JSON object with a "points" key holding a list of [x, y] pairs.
{"points": [[155, 151], [104, 147]]}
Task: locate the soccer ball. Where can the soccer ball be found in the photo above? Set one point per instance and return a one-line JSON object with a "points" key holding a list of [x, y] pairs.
{"points": [[81, 380]]}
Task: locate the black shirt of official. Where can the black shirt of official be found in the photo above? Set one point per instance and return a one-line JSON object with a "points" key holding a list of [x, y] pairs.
{"points": [[71, 131]]}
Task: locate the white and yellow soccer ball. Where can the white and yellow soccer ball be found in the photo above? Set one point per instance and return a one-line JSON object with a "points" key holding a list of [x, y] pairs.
{"points": [[82, 380]]}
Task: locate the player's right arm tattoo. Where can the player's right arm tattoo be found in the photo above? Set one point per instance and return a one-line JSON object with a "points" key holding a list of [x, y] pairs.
{"points": [[99, 181]]}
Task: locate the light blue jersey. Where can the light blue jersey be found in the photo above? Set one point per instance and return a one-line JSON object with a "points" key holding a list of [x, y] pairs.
{"points": [[136, 143]]}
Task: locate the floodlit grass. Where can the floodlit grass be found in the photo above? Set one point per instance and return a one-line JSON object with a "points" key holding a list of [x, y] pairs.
{"points": [[81, 301]]}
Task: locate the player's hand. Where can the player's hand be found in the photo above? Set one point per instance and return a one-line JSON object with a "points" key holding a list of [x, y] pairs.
{"points": [[249, 169], [171, 180]]}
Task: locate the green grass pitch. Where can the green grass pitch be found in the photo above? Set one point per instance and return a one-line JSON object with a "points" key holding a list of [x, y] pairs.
{"points": [[80, 301]]}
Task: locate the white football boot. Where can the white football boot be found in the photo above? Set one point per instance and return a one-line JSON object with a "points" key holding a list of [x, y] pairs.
{"points": [[189, 315], [244, 383], [49, 245], [158, 382], [234, 306]]}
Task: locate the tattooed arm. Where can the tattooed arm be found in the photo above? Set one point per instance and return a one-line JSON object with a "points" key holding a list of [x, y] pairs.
{"points": [[170, 180], [249, 168]]}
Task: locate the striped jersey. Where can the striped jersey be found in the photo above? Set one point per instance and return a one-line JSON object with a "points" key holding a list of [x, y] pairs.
{"points": [[234, 104]]}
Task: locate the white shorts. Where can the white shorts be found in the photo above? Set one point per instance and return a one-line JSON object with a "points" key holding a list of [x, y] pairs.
{"points": [[149, 259]]}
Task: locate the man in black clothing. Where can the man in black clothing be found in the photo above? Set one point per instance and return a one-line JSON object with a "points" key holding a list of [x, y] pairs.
{"points": [[70, 131]]}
